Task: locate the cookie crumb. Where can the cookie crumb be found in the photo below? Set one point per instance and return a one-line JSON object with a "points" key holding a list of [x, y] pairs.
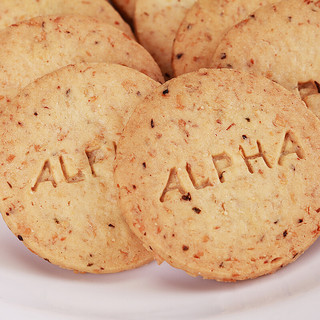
{"points": [[223, 55], [186, 197], [166, 91], [179, 55], [196, 210]]}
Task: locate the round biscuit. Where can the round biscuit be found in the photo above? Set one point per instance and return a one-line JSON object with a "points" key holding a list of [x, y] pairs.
{"points": [[13, 11], [33, 48], [203, 28], [279, 42], [218, 172], [58, 142]]}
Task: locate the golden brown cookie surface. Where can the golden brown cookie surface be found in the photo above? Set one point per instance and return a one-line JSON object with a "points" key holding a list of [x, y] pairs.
{"points": [[203, 28], [59, 139], [218, 173], [279, 42], [33, 48], [13, 11], [156, 24]]}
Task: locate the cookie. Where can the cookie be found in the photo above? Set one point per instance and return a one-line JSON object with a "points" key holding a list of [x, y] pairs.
{"points": [[58, 147], [202, 29], [219, 174], [272, 42], [156, 24], [126, 7], [313, 103], [13, 11], [33, 48]]}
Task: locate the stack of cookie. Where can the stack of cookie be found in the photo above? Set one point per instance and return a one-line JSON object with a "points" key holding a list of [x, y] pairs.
{"points": [[59, 135], [103, 169]]}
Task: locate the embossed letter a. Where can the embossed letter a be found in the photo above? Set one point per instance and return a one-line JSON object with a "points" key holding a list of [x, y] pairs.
{"points": [[172, 184], [290, 146], [45, 176]]}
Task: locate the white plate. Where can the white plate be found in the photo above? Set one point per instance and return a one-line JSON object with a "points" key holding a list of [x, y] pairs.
{"points": [[31, 288]]}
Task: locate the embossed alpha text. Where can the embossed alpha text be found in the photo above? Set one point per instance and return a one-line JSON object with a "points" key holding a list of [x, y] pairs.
{"points": [[222, 161], [47, 175]]}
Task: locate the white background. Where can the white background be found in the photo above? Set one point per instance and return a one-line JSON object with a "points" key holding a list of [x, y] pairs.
{"points": [[31, 288]]}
